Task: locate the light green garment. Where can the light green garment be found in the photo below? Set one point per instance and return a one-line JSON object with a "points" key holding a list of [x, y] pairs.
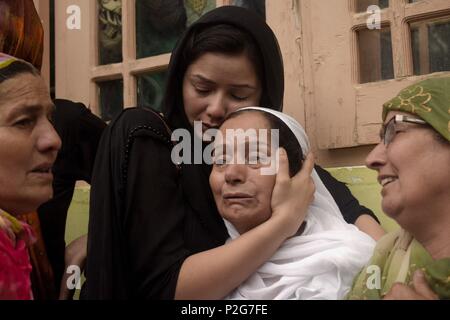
{"points": [[396, 257]]}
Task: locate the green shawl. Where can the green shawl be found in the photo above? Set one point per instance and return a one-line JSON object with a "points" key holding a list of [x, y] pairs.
{"points": [[396, 257]]}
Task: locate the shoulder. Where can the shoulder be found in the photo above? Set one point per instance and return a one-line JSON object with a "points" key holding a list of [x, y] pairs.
{"points": [[135, 122]]}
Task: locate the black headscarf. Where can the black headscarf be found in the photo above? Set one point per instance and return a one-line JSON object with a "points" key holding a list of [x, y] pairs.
{"points": [[195, 178]]}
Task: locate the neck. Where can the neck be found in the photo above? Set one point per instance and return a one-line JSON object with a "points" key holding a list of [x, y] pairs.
{"points": [[433, 234]]}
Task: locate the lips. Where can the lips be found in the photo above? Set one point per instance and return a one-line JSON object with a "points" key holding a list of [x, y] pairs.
{"points": [[385, 180], [44, 169], [237, 195]]}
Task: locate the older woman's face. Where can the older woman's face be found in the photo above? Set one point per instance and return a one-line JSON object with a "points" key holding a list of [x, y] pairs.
{"points": [[414, 173], [28, 144], [216, 85], [242, 194]]}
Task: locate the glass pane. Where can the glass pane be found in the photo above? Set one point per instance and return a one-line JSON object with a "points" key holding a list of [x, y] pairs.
{"points": [[110, 31], [151, 90], [259, 6], [160, 23], [111, 98], [362, 5], [375, 55], [431, 45]]}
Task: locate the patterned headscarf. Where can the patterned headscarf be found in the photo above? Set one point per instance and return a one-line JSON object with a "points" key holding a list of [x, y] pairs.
{"points": [[21, 31], [428, 99]]}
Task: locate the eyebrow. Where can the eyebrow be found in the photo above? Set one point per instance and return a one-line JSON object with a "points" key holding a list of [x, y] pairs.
{"points": [[208, 81], [29, 110]]}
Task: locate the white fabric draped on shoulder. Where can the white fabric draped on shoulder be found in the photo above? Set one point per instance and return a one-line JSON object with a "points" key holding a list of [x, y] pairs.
{"points": [[322, 262]]}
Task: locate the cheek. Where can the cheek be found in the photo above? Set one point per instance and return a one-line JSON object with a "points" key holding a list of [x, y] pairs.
{"points": [[15, 153], [266, 185], [216, 181]]}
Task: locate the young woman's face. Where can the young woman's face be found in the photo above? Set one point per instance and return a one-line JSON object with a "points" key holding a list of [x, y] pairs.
{"points": [[28, 144], [413, 170], [242, 194], [216, 85]]}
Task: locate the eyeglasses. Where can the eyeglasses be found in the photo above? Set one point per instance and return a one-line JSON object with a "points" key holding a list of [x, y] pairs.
{"points": [[389, 131]]}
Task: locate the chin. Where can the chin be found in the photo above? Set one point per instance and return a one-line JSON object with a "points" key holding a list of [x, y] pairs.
{"points": [[390, 209], [44, 196]]}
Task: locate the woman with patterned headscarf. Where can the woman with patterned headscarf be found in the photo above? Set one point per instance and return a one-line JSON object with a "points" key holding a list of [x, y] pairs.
{"points": [[28, 149], [412, 161]]}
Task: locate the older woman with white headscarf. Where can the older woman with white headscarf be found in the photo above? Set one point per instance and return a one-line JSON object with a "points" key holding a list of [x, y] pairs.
{"points": [[321, 260]]}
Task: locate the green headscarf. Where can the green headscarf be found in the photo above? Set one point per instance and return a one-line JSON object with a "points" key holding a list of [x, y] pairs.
{"points": [[428, 99]]}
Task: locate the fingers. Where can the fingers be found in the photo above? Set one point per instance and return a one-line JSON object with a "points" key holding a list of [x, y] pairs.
{"points": [[421, 286], [401, 292], [419, 291], [283, 170], [308, 164]]}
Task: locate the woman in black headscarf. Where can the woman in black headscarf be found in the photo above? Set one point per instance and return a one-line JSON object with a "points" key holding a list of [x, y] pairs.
{"points": [[154, 229]]}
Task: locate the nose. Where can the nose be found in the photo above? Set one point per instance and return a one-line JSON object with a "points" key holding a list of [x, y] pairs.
{"points": [[217, 108], [235, 174], [377, 157], [48, 140]]}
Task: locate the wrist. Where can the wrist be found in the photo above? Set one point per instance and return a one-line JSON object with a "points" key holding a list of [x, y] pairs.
{"points": [[283, 225]]}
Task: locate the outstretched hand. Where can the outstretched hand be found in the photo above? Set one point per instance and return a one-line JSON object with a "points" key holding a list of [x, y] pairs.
{"points": [[291, 197]]}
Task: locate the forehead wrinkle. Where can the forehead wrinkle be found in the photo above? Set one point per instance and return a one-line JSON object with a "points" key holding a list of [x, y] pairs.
{"points": [[13, 89]]}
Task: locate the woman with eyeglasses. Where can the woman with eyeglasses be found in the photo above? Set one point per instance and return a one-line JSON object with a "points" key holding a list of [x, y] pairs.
{"points": [[412, 161]]}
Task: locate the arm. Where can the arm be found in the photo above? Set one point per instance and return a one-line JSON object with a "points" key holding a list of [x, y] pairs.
{"points": [[352, 211], [367, 224], [75, 255]]}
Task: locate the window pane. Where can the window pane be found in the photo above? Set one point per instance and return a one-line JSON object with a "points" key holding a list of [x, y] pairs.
{"points": [[375, 55], [259, 6], [151, 90], [431, 45], [111, 98], [110, 31], [362, 5], [160, 23]]}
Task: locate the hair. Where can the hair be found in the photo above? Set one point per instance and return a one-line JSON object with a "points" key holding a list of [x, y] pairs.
{"points": [[15, 68], [225, 39], [287, 140]]}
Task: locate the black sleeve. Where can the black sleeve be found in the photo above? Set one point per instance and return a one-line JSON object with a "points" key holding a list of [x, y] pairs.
{"points": [[350, 207], [155, 219]]}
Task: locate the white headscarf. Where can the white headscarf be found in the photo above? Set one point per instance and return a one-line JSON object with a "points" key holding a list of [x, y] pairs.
{"points": [[320, 263]]}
